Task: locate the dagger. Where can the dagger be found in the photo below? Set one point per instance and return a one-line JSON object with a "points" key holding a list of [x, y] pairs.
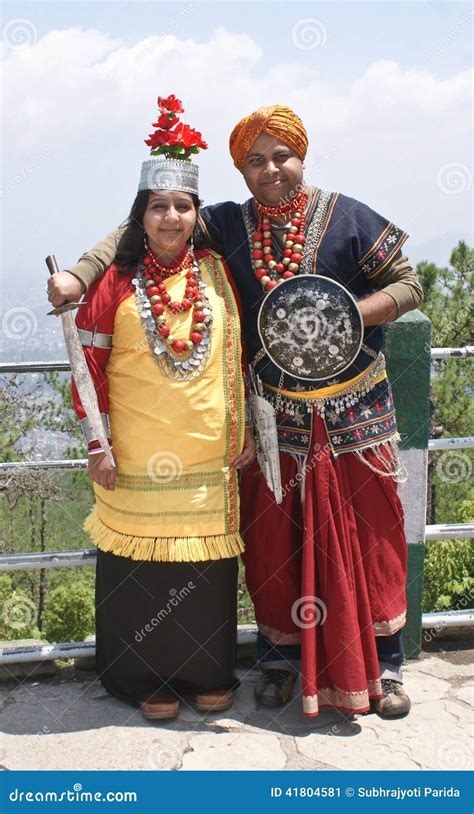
{"points": [[80, 371]]}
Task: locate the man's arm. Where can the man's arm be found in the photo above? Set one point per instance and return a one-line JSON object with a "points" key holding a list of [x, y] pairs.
{"points": [[399, 291], [71, 284]]}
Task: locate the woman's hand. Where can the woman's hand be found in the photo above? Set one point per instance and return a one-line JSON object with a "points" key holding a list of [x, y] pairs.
{"points": [[63, 287], [248, 453], [101, 471]]}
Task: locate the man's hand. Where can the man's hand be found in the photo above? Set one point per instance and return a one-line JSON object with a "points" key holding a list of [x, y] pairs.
{"points": [[64, 287], [248, 453], [101, 471], [378, 309]]}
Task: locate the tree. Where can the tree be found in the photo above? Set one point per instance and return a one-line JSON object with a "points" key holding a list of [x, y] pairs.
{"points": [[39, 509], [449, 565]]}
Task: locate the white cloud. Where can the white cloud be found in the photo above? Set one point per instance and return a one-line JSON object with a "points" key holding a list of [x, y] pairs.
{"points": [[88, 100]]}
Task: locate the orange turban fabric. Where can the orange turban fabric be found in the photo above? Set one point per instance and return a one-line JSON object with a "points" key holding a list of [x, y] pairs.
{"points": [[278, 121]]}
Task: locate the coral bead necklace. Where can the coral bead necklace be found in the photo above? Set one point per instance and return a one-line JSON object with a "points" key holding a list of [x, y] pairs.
{"points": [[155, 275], [267, 270]]}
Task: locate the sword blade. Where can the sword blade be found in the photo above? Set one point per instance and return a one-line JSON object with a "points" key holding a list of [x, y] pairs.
{"points": [[83, 380]]}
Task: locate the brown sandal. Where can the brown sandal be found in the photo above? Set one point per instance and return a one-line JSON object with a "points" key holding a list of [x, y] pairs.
{"points": [[214, 700], [160, 707]]}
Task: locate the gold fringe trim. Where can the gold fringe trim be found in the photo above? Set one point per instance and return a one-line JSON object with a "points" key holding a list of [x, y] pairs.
{"points": [[163, 549]]}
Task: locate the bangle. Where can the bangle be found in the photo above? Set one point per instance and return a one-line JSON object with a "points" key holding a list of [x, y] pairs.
{"points": [[97, 445]]}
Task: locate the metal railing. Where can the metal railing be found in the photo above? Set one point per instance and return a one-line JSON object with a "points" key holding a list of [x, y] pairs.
{"points": [[35, 561]]}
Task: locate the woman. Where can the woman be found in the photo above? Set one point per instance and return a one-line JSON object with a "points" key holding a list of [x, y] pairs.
{"points": [[161, 336]]}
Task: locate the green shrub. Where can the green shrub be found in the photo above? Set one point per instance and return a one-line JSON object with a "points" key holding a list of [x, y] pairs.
{"points": [[449, 575], [18, 612], [69, 613]]}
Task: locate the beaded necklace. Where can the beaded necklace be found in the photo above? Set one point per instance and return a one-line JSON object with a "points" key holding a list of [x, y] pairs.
{"points": [[177, 357], [267, 270]]}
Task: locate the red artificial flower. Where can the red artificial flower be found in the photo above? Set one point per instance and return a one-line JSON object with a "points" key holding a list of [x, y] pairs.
{"points": [[186, 136], [172, 138], [158, 139], [166, 121], [170, 104]]}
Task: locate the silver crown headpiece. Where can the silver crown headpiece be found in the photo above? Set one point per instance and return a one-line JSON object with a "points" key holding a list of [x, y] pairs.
{"points": [[169, 173]]}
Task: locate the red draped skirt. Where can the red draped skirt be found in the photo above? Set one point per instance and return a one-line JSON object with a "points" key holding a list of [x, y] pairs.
{"points": [[327, 568]]}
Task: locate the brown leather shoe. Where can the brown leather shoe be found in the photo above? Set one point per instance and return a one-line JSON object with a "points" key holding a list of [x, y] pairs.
{"points": [[160, 707], [395, 702], [273, 688], [214, 700]]}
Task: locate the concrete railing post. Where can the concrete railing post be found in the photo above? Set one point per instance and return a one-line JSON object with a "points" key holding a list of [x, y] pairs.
{"points": [[408, 352]]}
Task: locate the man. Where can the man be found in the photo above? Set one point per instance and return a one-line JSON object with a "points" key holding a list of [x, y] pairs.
{"points": [[338, 549]]}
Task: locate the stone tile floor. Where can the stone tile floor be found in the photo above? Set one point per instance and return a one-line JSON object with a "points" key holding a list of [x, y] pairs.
{"points": [[68, 721]]}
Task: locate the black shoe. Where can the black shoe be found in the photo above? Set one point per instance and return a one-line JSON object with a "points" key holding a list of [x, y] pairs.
{"points": [[395, 702], [274, 688]]}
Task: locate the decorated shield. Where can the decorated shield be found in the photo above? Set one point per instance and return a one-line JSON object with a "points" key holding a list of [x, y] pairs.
{"points": [[310, 327]]}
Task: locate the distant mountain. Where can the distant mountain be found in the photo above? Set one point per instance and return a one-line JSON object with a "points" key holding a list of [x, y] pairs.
{"points": [[438, 249]]}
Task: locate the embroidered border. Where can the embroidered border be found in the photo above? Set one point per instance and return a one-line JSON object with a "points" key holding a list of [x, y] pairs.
{"points": [[313, 234], [363, 435], [277, 636], [391, 626], [382, 251], [232, 382], [130, 513], [337, 697], [144, 483], [329, 203]]}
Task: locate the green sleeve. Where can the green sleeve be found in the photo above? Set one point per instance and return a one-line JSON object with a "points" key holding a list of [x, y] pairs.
{"points": [[92, 265], [401, 281]]}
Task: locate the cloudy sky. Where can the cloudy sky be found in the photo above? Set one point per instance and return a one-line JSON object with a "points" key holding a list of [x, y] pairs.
{"points": [[384, 89]]}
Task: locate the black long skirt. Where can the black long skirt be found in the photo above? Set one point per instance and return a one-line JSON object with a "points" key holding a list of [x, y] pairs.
{"points": [[168, 628]]}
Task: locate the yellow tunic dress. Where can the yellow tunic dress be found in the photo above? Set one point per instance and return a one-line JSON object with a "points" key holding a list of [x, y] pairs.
{"points": [[176, 498]]}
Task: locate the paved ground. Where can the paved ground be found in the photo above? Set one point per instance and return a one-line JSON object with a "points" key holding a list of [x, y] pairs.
{"points": [[69, 722]]}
